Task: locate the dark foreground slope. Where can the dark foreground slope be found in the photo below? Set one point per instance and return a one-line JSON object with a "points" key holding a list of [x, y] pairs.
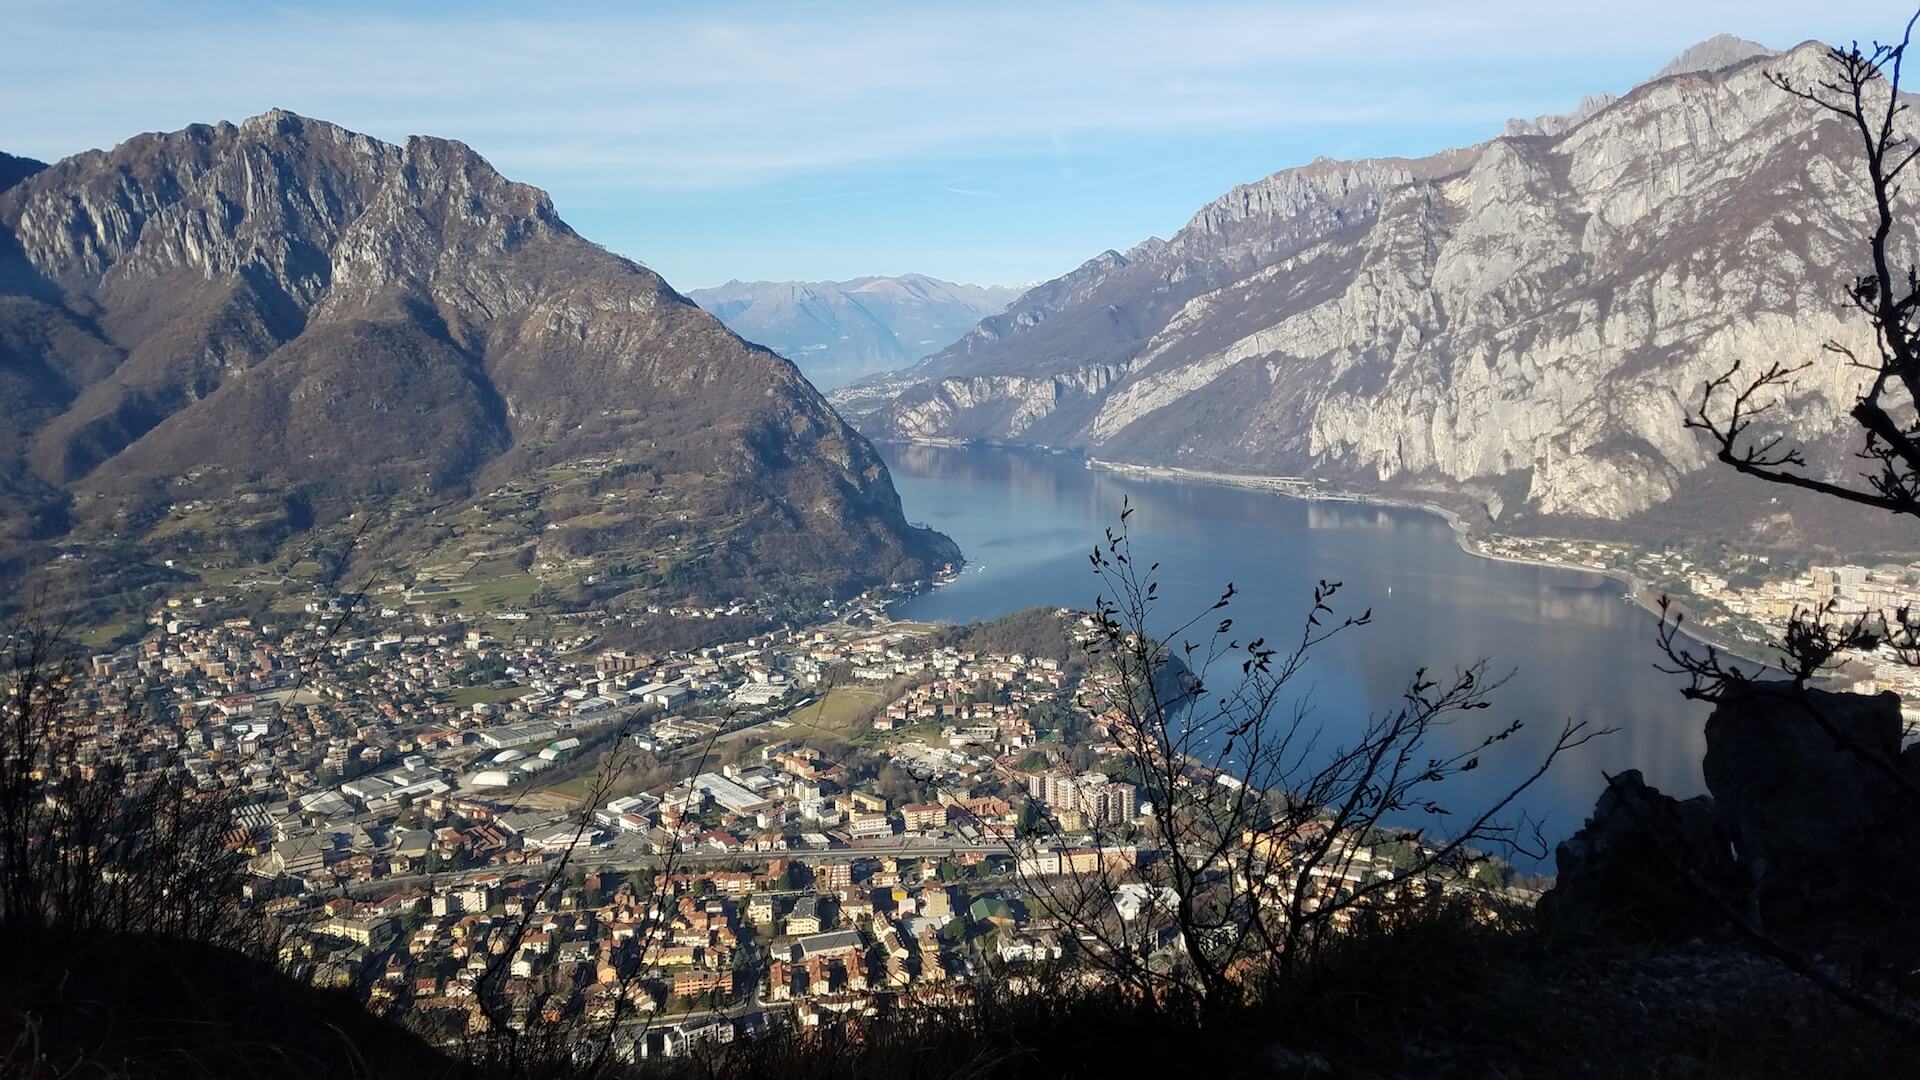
{"points": [[1629, 967], [217, 337], [1445, 996], [129, 1005]]}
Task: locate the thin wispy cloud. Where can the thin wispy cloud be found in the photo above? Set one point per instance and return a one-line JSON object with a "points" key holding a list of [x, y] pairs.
{"points": [[700, 96], [861, 131], [821, 197]]}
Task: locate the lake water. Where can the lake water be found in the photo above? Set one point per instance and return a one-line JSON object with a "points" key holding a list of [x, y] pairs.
{"points": [[1576, 646]]}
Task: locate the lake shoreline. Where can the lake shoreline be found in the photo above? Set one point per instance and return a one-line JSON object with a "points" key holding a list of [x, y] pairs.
{"points": [[1304, 490], [1574, 649]]}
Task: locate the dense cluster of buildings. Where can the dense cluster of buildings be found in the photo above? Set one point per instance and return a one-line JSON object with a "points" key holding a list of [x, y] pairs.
{"points": [[375, 742], [1746, 600], [822, 938], [1852, 591], [395, 770], [1086, 801], [409, 783]]}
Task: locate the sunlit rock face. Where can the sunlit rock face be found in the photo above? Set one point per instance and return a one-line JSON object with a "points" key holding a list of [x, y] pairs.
{"points": [[1523, 324]]}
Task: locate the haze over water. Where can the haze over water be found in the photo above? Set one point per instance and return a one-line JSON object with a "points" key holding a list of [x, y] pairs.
{"points": [[1577, 647]]}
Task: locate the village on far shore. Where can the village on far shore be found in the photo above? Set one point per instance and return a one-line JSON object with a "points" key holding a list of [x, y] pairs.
{"points": [[1742, 602]]}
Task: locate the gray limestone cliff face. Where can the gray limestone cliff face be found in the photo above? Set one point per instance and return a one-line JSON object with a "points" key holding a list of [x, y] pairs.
{"points": [[1717, 52], [1560, 124], [1525, 322]]}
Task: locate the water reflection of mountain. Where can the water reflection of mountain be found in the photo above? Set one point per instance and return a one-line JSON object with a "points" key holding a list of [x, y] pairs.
{"points": [[1599, 602], [1346, 515], [1577, 648]]}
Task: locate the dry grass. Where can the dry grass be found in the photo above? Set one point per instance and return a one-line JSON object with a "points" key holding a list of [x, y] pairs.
{"points": [[839, 713]]}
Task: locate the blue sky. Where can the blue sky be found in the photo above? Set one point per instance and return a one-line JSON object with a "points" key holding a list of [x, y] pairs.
{"points": [[978, 142]]}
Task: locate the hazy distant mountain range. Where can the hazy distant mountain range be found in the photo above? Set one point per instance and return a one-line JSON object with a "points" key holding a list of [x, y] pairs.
{"points": [[840, 331], [217, 339], [1515, 328]]}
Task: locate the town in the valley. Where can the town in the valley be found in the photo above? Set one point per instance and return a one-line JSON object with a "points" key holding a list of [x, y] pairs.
{"points": [[802, 821], [806, 821]]}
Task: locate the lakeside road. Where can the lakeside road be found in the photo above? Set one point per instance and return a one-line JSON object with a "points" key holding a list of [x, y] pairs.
{"points": [[1307, 490]]}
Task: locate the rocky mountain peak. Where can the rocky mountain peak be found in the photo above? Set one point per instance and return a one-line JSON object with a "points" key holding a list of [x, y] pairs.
{"points": [[1714, 54], [1514, 327], [286, 306], [283, 122], [1146, 249], [1717, 52], [1290, 192], [1560, 123]]}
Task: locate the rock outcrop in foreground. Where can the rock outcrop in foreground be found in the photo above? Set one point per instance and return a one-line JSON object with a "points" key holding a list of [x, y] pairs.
{"points": [[1810, 833]]}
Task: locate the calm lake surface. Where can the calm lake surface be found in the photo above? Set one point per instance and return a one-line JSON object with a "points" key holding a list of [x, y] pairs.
{"points": [[1576, 647]]}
